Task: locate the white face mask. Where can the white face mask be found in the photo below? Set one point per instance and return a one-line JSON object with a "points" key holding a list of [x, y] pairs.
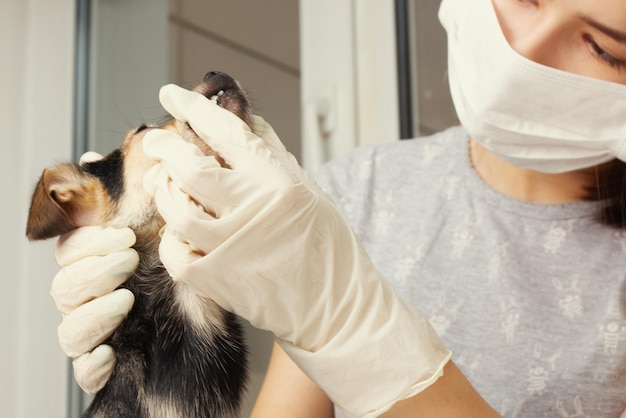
{"points": [[531, 115]]}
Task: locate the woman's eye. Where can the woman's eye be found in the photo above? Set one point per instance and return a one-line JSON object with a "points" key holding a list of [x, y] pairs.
{"points": [[600, 53]]}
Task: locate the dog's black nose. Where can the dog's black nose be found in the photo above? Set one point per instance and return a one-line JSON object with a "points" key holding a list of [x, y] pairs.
{"points": [[210, 75], [217, 80], [213, 75]]}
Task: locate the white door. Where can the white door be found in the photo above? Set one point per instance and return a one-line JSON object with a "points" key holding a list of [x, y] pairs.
{"points": [[348, 76], [372, 72]]}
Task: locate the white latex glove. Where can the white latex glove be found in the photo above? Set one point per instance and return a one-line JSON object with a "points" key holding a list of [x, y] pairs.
{"points": [[264, 241], [94, 262]]}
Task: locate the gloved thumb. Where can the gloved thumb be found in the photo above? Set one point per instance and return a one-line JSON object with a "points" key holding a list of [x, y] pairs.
{"points": [[217, 127]]}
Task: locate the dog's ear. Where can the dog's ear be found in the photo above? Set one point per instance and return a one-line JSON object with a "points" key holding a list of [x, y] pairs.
{"points": [[65, 198]]}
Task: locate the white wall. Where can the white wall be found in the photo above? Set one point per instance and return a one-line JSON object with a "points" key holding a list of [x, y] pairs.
{"points": [[36, 46]]}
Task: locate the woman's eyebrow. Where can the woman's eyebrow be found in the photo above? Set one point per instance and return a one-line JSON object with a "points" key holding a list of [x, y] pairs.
{"points": [[613, 33]]}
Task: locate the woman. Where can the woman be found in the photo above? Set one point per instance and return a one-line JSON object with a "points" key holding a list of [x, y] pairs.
{"points": [[499, 232]]}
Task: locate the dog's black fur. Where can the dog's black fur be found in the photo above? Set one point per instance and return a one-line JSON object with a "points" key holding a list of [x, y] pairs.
{"points": [[178, 353]]}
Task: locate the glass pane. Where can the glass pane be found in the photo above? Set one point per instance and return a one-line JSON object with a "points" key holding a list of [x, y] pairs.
{"points": [[430, 95]]}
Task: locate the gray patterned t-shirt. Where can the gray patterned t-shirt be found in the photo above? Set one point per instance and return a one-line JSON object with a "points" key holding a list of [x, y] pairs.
{"points": [[530, 298]]}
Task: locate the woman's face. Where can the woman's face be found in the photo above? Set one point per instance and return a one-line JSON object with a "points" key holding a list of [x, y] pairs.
{"points": [[586, 37]]}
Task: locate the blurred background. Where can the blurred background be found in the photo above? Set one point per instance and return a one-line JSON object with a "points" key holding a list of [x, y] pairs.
{"points": [[329, 75]]}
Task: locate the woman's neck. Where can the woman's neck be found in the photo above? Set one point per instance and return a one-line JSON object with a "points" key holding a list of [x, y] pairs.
{"points": [[527, 185]]}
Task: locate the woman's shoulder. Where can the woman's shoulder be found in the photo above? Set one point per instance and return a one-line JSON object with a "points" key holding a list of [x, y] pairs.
{"points": [[411, 159], [423, 146]]}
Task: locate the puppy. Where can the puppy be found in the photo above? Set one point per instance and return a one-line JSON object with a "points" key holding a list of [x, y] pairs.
{"points": [[179, 355]]}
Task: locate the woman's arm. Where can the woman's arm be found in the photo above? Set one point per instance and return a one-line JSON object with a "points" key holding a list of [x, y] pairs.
{"points": [[452, 395], [287, 392]]}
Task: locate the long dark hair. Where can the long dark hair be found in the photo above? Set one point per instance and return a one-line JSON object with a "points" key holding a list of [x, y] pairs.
{"points": [[610, 187]]}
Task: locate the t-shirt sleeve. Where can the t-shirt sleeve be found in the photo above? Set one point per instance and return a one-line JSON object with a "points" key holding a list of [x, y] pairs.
{"points": [[346, 179]]}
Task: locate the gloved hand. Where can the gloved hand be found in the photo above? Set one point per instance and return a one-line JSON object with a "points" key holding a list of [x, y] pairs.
{"points": [[94, 262], [265, 242]]}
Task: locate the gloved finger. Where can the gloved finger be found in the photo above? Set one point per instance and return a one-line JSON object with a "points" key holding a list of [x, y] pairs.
{"points": [[195, 270], [92, 277], [89, 157], [265, 131], [91, 240], [92, 370], [93, 322], [203, 178], [190, 106], [228, 135], [176, 253], [190, 221], [183, 265], [160, 143], [182, 161], [287, 160]]}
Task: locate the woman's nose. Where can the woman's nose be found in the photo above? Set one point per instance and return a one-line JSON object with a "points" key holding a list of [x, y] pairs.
{"points": [[538, 35], [540, 43]]}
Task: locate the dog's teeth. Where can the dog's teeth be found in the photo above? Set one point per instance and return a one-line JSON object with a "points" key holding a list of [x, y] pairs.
{"points": [[216, 97]]}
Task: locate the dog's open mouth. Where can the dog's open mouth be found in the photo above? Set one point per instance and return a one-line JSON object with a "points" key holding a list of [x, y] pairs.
{"points": [[216, 97], [226, 92]]}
